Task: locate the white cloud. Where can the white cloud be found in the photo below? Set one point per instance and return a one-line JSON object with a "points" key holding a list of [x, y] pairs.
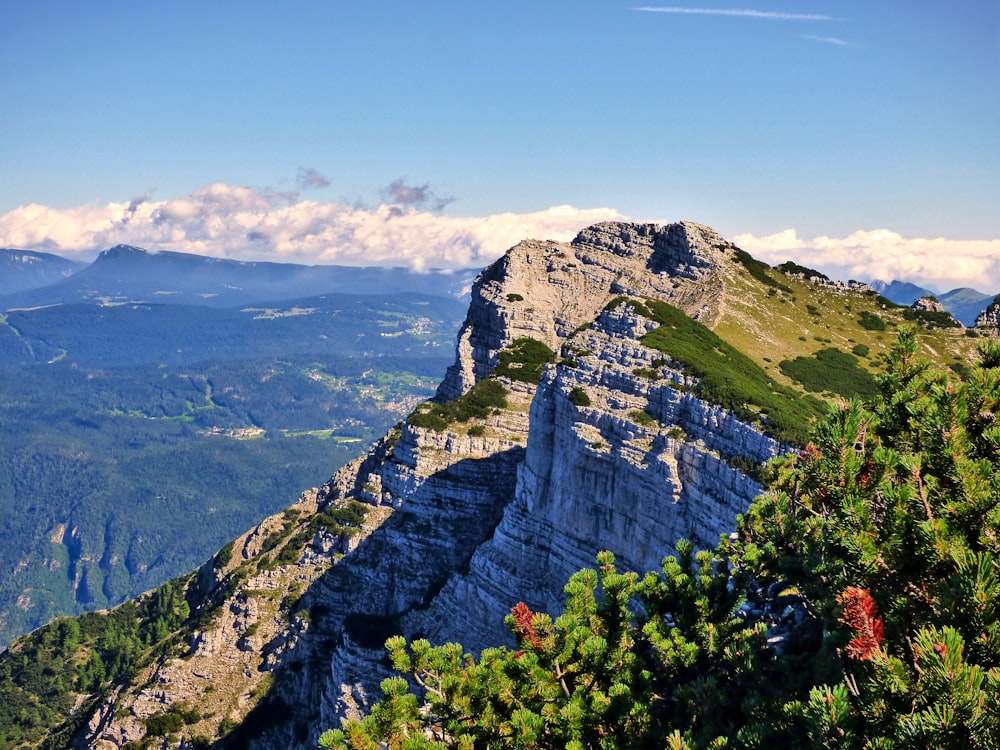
{"points": [[939, 264], [828, 40], [229, 221], [740, 13]]}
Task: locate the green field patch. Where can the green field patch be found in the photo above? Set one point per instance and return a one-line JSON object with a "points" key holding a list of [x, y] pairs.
{"points": [[729, 378], [524, 360], [182, 418], [325, 434], [831, 370]]}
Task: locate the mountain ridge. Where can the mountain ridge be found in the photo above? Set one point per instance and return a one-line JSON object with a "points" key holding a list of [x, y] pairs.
{"points": [[438, 494], [963, 303], [25, 269], [125, 273], [493, 494]]}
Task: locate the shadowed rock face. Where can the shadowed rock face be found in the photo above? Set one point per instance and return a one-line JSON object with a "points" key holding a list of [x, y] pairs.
{"points": [[600, 477], [462, 524]]}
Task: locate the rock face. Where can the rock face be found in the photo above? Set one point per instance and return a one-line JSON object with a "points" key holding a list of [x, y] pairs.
{"points": [[610, 451], [545, 290], [928, 303], [637, 468], [989, 319]]}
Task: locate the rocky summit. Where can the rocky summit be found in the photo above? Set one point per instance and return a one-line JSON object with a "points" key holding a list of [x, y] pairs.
{"points": [[564, 427]]}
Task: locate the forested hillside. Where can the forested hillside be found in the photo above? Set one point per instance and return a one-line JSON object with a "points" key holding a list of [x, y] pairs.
{"points": [[23, 269], [135, 440]]}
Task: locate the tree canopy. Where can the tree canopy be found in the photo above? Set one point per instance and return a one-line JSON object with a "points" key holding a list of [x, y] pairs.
{"points": [[855, 607]]}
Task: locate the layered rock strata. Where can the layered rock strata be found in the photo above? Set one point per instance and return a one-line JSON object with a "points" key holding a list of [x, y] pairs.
{"points": [[641, 465]]}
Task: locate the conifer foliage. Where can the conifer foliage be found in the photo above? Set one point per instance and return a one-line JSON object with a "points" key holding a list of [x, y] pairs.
{"points": [[857, 607]]}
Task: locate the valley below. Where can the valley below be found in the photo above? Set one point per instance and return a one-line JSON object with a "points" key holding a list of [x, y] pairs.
{"points": [[138, 436]]}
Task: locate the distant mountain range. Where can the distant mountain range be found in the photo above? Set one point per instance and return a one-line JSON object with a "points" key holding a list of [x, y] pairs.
{"points": [[131, 274], [963, 303], [23, 269]]}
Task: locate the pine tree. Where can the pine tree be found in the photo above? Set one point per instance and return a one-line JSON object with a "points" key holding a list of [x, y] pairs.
{"points": [[889, 520]]}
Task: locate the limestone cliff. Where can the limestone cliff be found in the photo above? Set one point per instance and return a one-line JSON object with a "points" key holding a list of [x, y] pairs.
{"points": [[988, 320], [638, 466], [611, 450], [545, 290]]}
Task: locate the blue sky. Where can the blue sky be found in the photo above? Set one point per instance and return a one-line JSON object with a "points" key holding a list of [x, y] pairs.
{"points": [[325, 122]]}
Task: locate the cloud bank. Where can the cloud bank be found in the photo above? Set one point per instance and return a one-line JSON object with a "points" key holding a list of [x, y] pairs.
{"points": [[938, 264], [227, 221], [408, 229]]}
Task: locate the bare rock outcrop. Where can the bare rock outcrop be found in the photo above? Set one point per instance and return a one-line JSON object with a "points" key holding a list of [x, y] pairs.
{"points": [[988, 320], [615, 460], [928, 303], [545, 290]]}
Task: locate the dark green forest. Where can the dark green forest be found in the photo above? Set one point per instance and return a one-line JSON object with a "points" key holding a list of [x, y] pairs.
{"points": [[136, 440], [327, 326]]}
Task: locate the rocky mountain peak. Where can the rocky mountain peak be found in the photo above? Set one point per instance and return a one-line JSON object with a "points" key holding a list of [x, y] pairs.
{"points": [[644, 427], [613, 449], [473, 505], [545, 289], [123, 251], [683, 248]]}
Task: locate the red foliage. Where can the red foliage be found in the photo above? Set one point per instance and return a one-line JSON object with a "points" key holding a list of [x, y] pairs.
{"points": [[865, 475], [861, 616], [810, 453], [523, 628]]}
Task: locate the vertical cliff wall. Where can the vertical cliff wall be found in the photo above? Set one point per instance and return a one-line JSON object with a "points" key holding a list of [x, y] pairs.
{"points": [[638, 466], [641, 465]]}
